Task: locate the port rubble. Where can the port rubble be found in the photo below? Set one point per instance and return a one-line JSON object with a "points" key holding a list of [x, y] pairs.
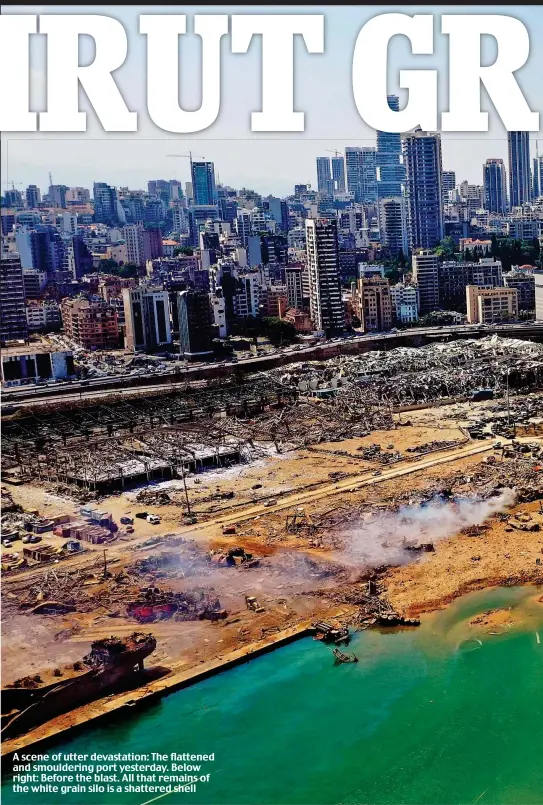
{"points": [[335, 504]]}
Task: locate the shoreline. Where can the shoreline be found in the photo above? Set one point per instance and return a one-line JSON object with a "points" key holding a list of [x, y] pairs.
{"points": [[505, 557], [100, 709]]}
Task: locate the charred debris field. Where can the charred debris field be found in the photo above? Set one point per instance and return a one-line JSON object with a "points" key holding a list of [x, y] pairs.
{"points": [[357, 492]]}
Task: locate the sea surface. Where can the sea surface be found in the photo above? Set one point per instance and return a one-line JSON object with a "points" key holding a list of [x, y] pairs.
{"points": [[445, 714]]}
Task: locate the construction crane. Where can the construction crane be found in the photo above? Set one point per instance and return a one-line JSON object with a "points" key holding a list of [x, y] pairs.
{"points": [[336, 153], [12, 183], [186, 156]]}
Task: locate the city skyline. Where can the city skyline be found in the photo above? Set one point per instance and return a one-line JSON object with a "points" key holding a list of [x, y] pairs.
{"points": [[267, 163]]}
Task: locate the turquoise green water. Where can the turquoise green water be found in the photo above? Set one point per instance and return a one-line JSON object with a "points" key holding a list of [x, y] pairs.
{"points": [[427, 717]]}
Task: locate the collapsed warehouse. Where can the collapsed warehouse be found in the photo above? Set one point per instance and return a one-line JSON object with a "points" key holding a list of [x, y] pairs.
{"points": [[92, 450], [405, 376]]}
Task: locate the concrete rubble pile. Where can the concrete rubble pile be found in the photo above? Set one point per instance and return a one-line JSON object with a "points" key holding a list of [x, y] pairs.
{"points": [[404, 376], [437, 444], [373, 607], [191, 561], [56, 591], [153, 497], [7, 505], [521, 470], [153, 604], [302, 567], [374, 452], [518, 416]]}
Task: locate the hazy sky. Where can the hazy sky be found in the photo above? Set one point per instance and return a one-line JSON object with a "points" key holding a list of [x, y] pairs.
{"points": [[267, 163]]}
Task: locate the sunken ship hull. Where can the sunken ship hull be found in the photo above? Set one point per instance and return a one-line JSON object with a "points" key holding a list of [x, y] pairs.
{"points": [[111, 664]]}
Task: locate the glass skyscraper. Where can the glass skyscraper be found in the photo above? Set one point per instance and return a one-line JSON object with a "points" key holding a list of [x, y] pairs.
{"points": [[538, 177], [361, 164], [520, 179], [389, 149], [325, 182], [338, 174], [495, 186], [204, 189], [423, 166]]}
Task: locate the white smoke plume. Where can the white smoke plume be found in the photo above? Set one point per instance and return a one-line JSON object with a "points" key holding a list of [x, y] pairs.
{"points": [[382, 537]]}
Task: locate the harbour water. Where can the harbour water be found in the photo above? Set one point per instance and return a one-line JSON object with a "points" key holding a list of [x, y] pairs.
{"points": [[446, 714]]}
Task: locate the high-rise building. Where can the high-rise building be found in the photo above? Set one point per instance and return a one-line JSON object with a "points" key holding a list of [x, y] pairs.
{"points": [[244, 226], [13, 198], [147, 317], [32, 196], [454, 277], [13, 322], [204, 189], [426, 277], [520, 181], [196, 324], [448, 183], [405, 300], [487, 305], [133, 236], [7, 220], [142, 244], [325, 183], [422, 159], [69, 223], [198, 218], [91, 324], [361, 169], [393, 225], [374, 304], [105, 203], [297, 282], [57, 194], [176, 191], [495, 187], [338, 174], [180, 221], [152, 243], [524, 283], [228, 209], [34, 282], [278, 210], [82, 256], [326, 304], [538, 177], [77, 195], [41, 248], [388, 158]]}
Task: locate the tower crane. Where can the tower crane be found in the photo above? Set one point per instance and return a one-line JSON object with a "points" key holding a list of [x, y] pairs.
{"points": [[186, 156], [335, 152]]}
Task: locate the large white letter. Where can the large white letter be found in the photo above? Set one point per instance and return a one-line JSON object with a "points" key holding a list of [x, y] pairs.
{"points": [[163, 32], [15, 54], [466, 73], [370, 74], [278, 31], [63, 71]]}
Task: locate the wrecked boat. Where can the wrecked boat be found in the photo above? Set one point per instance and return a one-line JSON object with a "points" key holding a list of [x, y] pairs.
{"points": [[329, 633], [111, 662], [342, 657]]}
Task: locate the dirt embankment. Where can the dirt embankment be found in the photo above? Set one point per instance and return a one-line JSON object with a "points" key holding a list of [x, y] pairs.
{"points": [[499, 555]]}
